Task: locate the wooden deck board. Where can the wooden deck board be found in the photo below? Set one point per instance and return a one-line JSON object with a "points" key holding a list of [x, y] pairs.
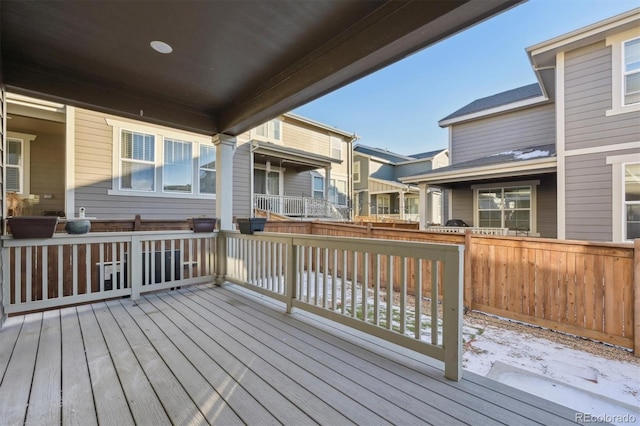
{"points": [[204, 355], [44, 401]]}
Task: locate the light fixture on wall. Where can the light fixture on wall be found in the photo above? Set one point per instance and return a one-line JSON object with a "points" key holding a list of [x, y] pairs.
{"points": [[161, 47]]}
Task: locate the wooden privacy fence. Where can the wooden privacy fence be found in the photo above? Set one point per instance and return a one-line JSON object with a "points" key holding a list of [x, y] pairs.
{"points": [[588, 289]]}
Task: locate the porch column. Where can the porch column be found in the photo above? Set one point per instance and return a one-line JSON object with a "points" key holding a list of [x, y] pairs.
{"points": [[225, 146], [401, 205], [423, 205]]}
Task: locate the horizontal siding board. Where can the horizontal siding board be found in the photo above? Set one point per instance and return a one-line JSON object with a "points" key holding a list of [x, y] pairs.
{"points": [[519, 129]]}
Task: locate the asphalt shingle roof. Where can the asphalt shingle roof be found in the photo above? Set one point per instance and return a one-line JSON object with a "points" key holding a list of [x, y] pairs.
{"points": [[429, 154], [499, 99], [381, 153], [513, 155]]}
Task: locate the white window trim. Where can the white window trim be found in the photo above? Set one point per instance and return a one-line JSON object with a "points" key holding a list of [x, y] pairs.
{"points": [[336, 140], [344, 179], [195, 161], [386, 197], [533, 184], [159, 133], [617, 68], [324, 186], [26, 139], [356, 169], [254, 134], [214, 170], [618, 163]]}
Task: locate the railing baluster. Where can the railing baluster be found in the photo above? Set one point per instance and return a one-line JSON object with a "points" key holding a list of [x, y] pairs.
{"points": [[28, 274], [316, 289], [418, 298], [101, 277], [87, 262], [434, 303], [365, 287], [390, 292], [354, 284], [343, 283], [45, 272], [60, 273], [17, 267], [334, 279], [309, 264], [403, 294], [74, 269], [325, 273], [376, 292]]}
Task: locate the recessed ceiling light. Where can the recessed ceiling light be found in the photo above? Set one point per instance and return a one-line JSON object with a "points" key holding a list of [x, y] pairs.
{"points": [[161, 47]]}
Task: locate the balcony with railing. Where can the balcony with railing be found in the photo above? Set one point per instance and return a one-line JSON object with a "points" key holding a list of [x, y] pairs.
{"points": [[300, 207]]}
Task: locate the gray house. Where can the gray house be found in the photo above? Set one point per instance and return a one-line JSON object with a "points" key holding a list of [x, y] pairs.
{"points": [[559, 158], [378, 191]]}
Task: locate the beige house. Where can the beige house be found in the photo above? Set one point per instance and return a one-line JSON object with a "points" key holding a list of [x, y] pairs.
{"points": [[63, 158]]}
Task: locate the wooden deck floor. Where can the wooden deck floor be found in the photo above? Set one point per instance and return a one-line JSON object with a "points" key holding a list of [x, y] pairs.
{"points": [[219, 355]]}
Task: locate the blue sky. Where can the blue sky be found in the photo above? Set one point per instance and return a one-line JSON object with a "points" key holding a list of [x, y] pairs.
{"points": [[398, 108]]}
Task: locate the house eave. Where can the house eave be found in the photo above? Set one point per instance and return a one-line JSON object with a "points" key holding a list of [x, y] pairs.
{"points": [[335, 130], [296, 157], [514, 106], [519, 168]]}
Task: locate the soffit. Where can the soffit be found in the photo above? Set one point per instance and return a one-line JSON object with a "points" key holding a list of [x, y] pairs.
{"points": [[235, 64]]}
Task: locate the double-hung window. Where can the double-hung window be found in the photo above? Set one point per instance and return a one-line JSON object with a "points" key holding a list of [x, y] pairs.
{"points": [[177, 170], [318, 187], [625, 72], [338, 192], [160, 162], [271, 130], [14, 166], [336, 147], [505, 208], [356, 172], [137, 159], [631, 72], [207, 169]]}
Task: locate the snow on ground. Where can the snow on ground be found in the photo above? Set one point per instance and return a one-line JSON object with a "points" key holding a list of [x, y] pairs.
{"points": [[566, 367], [552, 370]]}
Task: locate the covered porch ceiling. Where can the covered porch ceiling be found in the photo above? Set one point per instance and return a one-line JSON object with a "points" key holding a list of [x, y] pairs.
{"points": [[234, 65]]}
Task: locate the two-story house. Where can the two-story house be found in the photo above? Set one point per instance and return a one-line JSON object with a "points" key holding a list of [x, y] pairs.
{"points": [[378, 191], [62, 158], [559, 158]]}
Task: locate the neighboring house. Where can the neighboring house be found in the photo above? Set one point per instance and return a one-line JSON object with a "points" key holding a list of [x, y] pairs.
{"points": [[559, 158], [378, 190], [61, 158], [301, 168]]}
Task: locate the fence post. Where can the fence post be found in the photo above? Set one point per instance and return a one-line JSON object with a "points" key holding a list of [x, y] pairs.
{"points": [[221, 257], [636, 297], [135, 260], [290, 274], [468, 279]]}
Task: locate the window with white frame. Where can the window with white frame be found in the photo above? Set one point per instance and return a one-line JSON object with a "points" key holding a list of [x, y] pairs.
{"points": [[631, 72], [270, 130], [207, 169], [177, 170], [356, 172], [338, 192], [137, 159], [318, 187], [632, 201], [336, 148], [161, 162], [505, 208], [383, 204], [625, 72], [14, 166]]}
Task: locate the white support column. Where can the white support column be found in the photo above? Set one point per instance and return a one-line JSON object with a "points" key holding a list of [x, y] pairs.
{"points": [[423, 205], [225, 147], [401, 204]]}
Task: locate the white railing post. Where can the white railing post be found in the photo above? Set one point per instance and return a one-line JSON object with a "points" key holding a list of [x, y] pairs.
{"points": [[6, 277], [135, 266], [221, 258], [452, 314], [290, 274]]}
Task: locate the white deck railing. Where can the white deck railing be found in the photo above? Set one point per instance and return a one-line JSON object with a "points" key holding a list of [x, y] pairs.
{"points": [[68, 269], [473, 229], [297, 206], [372, 285]]}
